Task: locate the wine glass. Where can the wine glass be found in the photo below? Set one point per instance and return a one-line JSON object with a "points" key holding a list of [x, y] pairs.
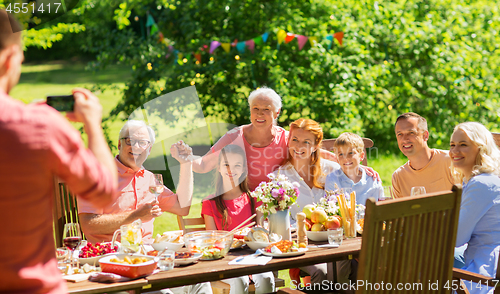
{"points": [[386, 193], [72, 237], [418, 190], [156, 188]]}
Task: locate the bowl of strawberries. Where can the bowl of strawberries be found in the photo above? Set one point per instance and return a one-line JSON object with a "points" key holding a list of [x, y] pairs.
{"points": [[91, 253]]}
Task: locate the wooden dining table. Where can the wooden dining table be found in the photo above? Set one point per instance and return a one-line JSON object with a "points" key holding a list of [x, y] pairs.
{"points": [[214, 270]]}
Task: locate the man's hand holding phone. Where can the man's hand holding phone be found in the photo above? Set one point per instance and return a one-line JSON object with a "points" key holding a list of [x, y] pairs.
{"points": [[87, 108]]}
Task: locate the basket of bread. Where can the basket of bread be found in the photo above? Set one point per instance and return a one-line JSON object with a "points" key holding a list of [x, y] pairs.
{"points": [[171, 240]]}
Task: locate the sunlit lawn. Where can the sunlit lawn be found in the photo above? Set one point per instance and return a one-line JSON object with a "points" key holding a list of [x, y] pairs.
{"points": [[59, 78]]}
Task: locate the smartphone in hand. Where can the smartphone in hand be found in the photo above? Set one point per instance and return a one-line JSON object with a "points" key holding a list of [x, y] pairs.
{"points": [[62, 103]]}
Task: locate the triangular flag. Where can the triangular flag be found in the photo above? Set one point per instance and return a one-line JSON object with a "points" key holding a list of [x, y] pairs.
{"points": [[265, 36], [154, 29], [214, 46], [339, 36], [313, 41], [281, 36], [150, 21], [226, 47], [330, 38], [302, 40], [289, 37], [160, 37], [198, 57], [250, 44], [241, 47], [258, 40], [180, 55], [234, 43]]}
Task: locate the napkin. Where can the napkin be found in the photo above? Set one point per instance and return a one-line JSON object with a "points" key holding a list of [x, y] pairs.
{"points": [[110, 277], [251, 260], [76, 278]]}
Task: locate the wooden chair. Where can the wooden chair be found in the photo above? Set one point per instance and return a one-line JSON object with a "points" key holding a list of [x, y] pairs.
{"points": [[410, 240], [459, 276], [218, 287], [65, 210], [191, 224], [328, 145]]}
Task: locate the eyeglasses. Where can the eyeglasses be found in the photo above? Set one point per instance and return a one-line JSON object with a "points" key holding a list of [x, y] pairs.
{"points": [[131, 142]]}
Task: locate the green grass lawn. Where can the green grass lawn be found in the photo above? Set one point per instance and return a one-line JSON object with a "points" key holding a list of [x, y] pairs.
{"points": [[58, 78]]}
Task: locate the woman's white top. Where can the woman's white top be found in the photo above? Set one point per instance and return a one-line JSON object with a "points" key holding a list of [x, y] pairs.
{"points": [[307, 195]]}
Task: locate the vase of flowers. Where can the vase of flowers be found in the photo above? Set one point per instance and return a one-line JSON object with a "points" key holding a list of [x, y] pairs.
{"points": [[277, 196]]}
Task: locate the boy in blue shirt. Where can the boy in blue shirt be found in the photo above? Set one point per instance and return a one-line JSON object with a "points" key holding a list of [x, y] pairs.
{"points": [[349, 148]]}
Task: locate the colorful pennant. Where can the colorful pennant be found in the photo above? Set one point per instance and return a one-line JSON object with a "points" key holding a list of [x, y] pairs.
{"points": [[339, 36], [251, 45], [214, 46], [281, 36], [226, 47], [241, 46], [289, 37], [302, 40]]}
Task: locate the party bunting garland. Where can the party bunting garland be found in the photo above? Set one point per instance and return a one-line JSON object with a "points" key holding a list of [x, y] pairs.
{"points": [[282, 36]]}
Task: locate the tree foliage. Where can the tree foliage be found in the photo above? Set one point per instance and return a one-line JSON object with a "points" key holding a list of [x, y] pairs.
{"points": [[438, 58], [42, 29]]}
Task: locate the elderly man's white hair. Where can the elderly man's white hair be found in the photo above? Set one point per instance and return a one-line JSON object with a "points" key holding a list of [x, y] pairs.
{"points": [[124, 132]]}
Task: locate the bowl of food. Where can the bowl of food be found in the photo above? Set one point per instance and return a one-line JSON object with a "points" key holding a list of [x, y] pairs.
{"points": [[130, 266], [317, 236], [259, 238], [91, 253], [211, 244], [170, 240]]}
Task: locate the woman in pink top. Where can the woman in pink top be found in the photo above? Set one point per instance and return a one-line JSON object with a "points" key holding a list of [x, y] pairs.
{"points": [[232, 205], [264, 142]]}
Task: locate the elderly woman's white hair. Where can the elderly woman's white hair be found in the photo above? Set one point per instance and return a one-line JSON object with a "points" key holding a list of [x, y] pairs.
{"points": [[269, 93], [124, 132], [488, 157]]}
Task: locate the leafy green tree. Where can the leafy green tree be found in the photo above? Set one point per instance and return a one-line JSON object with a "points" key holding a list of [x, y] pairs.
{"points": [[435, 57], [42, 28]]}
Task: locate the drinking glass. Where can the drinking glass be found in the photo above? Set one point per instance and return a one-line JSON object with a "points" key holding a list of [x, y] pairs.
{"points": [[335, 236], [166, 260], [156, 187], [419, 190], [386, 193], [72, 237]]}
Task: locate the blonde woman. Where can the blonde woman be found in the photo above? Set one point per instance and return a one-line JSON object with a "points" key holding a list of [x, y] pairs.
{"points": [[476, 162]]}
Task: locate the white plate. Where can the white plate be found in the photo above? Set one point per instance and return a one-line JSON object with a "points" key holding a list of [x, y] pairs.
{"points": [[288, 254], [183, 261]]}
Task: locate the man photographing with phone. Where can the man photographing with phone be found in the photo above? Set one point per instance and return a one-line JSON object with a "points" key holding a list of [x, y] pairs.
{"points": [[38, 144]]}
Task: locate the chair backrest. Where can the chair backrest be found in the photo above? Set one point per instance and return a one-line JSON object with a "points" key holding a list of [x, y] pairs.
{"points": [[496, 136], [65, 210], [328, 145], [191, 224], [410, 240]]}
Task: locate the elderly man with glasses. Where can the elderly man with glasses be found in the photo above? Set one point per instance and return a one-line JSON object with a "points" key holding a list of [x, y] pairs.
{"points": [[135, 201]]}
